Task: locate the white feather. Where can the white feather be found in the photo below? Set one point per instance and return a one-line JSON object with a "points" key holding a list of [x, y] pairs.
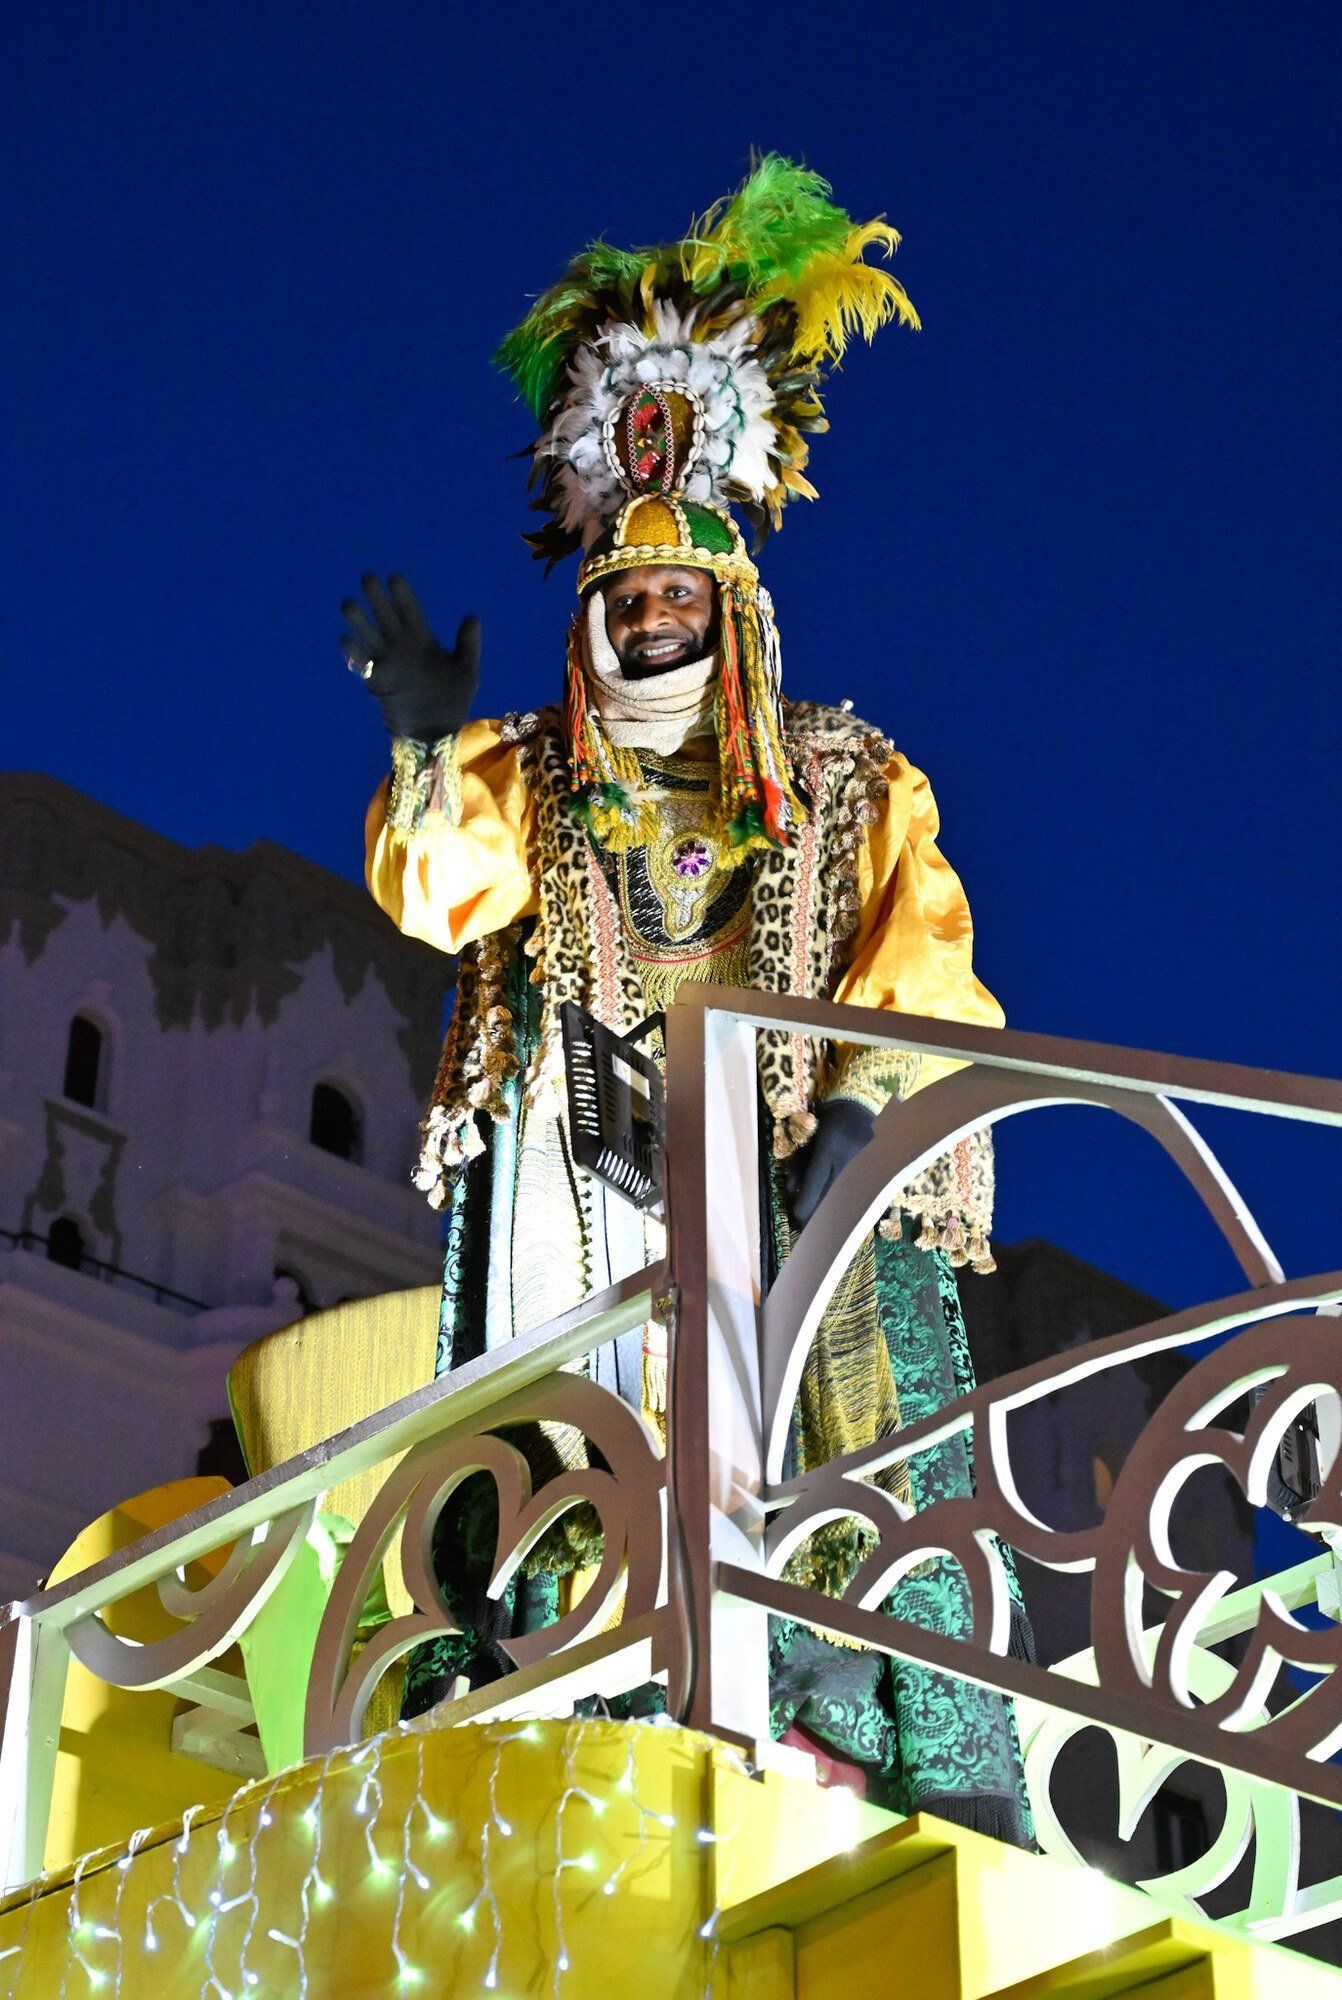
{"points": [[732, 388]]}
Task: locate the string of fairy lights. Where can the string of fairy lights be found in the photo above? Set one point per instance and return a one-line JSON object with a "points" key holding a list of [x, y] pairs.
{"points": [[100, 1955]]}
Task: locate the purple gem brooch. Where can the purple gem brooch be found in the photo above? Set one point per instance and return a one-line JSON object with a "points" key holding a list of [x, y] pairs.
{"points": [[692, 856]]}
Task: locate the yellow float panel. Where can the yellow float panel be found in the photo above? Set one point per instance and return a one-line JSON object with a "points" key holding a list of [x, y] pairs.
{"points": [[592, 1860]]}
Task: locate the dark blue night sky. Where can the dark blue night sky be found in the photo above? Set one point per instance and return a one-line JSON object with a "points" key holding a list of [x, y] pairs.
{"points": [[1076, 546]]}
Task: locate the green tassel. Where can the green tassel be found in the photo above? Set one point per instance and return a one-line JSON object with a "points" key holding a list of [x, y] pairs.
{"points": [[591, 801], [747, 825], [582, 806]]}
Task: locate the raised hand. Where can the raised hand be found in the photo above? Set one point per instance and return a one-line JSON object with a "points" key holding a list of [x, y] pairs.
{"points": [[423, 690]]}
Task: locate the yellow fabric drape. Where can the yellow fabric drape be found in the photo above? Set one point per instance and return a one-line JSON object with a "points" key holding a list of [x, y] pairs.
{"points": [[452, 883], [914, 946]]}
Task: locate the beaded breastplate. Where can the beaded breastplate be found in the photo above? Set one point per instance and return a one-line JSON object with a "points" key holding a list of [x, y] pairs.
{"points": [[685, 914]]}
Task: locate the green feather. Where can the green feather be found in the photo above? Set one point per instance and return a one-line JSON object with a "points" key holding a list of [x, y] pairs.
{"points": [[581, 807], [757, 241], [535, 353], [584, 802], [609, 266], [778, 219]]}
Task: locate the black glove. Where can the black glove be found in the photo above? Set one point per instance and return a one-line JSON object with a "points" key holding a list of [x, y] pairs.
{"points": [[843, 1130], [423, 690]]}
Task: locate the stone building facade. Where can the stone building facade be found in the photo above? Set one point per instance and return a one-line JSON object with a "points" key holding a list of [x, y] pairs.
{"points": [[212, 1067]]}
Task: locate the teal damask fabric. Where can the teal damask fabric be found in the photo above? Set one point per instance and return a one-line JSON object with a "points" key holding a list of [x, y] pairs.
{"points": [[464, 1544], [926, 1741]]}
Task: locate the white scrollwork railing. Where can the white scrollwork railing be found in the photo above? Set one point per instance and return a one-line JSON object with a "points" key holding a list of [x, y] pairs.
{"points": [[695, 1543]]}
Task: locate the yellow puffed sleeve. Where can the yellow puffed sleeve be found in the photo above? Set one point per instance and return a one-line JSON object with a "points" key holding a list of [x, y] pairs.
{"points": [[913, 950], [447, 839]]}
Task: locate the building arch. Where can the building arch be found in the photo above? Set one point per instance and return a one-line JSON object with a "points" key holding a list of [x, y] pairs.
{"points": [[88, 1050], [65, 1243], [336, 1121]]}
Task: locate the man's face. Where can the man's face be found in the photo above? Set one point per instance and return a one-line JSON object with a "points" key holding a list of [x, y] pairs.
{"points": [[659, 617]]}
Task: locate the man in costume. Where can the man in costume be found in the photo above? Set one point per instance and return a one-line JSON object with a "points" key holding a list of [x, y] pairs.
{"points": [[678, 819]]}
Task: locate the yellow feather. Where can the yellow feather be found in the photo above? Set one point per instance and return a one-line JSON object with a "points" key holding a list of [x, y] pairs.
{"points": [[839, 296], [792, 447], [795, 483], [866, 234], [701, 259]]}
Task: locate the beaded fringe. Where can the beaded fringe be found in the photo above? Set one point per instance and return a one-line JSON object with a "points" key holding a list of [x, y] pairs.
{"points": [[656, 1377], [952, 1203], [425, 778]]}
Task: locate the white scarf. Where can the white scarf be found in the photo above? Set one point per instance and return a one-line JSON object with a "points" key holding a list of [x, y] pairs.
{"points": [[659, 713]]}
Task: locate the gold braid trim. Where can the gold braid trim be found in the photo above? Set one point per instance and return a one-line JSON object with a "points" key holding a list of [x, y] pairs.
{"points": [[561, 942], [425, 779], [871, 1077], [952, 1198], [806, 903], [479, 1055], [847, 1397], [480, 1050]]}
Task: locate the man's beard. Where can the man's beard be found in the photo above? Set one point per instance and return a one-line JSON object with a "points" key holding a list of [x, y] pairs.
{"points": [[636, 668]]}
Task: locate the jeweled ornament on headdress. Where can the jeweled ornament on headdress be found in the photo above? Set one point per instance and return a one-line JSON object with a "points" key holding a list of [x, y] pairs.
{"points": [[652, 442], [673, 384], [653, 439]]}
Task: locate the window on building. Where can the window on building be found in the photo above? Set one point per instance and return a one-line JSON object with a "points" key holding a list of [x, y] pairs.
{"points": [[335, 1123], [83, 1060], [65, 1242]]}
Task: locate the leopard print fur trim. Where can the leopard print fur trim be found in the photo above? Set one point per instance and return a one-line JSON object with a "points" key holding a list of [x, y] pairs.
{"points": [[804, 910], [805, 902], [580, 953], [952, 1203]]}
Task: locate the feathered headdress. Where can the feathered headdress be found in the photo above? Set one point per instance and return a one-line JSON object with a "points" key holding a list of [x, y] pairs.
{"points": [[673, 383]]}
